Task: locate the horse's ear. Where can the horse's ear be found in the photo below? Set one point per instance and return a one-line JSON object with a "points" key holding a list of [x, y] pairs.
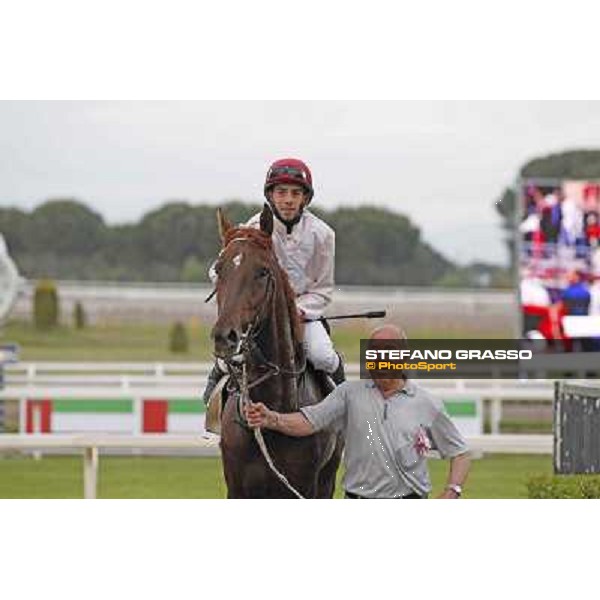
{"points": [[266, 220], [224, 224]]}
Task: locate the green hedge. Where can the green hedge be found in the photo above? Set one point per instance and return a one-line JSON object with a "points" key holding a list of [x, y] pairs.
{"points": [[179, 340], [79, 316], [564, 486], [45, 305]]}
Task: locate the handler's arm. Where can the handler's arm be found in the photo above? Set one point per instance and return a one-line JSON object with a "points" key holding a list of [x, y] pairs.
{"points": [[457, 475], [305, 422], [294, 424]]}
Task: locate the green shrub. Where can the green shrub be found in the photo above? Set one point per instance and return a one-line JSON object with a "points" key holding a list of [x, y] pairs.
{"points": [[564, 486], [45, 305], [79, 316], [178, 338]]}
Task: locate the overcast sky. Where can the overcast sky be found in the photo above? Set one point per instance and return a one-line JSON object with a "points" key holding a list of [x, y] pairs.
{"points": [[441, 163]]}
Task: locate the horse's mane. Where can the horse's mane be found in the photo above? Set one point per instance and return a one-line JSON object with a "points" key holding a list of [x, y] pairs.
{"points": [[264, 241]]}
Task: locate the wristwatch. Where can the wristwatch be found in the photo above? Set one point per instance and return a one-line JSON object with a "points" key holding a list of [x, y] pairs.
{"points": [[457, 489]]}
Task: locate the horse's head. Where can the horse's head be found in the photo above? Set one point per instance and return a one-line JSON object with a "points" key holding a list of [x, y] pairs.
{"points": [[248, 276]]}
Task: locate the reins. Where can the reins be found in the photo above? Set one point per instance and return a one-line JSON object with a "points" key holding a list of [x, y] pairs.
{"points": [[258, 435], [246, 346]]}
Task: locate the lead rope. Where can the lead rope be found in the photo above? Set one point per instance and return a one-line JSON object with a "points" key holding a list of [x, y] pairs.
{"points": [[260, 440]]}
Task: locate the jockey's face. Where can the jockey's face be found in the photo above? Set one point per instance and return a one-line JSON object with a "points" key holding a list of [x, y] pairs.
{"points": [[288, 200]]}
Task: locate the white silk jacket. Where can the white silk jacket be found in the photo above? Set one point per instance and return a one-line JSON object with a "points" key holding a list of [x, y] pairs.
{"points": [[308, 256]]}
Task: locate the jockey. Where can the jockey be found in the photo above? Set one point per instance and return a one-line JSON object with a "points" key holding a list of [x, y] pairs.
{"points": [[305, 248]]}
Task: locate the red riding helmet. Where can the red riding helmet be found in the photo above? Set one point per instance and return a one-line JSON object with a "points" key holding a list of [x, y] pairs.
{"points": [[289, 170]]}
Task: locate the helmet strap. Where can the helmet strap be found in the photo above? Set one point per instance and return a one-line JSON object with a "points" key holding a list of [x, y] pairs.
{"points": [[289, 223]]}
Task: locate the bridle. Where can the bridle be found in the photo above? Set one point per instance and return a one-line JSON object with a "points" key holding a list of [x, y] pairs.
{"points": [[237, 365], [248, 345]]}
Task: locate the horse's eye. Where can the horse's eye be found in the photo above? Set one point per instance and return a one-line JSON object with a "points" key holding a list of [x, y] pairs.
{"points": [[262, 272]]}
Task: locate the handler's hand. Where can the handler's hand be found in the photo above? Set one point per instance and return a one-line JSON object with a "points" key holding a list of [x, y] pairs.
{"points": [[257, 414]]}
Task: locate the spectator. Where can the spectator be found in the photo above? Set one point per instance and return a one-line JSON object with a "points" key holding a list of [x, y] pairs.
{"points": [[572, 221], [576, 296], [576, 302], [592, 228], [539, 314]]}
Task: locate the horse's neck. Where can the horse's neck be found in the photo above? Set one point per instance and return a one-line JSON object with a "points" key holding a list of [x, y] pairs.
{"points": [[284, 350]]}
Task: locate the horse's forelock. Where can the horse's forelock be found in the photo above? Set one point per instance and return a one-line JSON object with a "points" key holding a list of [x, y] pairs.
{"points": [[249, 233]]}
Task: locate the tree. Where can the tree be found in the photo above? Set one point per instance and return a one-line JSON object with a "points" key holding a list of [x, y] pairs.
{"points": [[375, 246], [178, 241], [193, 270], [572, 164], [66, 228], [170, 234], [15, 225]]}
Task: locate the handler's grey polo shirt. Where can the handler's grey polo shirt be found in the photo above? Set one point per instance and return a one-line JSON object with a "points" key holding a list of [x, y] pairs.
{"points": [[380, 458]]}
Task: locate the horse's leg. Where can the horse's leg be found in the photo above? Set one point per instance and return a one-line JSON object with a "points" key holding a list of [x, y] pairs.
{"points": [[232, 476], [234, 449]]}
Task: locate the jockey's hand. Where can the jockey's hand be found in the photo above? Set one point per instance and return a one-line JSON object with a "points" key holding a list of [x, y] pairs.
{"points": [[257, 414]]}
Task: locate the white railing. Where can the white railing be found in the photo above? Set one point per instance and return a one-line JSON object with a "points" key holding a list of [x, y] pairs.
{"points": [[91, 444], [33, 369], [30, 380]]}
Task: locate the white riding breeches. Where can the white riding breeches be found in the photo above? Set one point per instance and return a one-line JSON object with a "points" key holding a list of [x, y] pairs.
{"points": [[319, 349]]}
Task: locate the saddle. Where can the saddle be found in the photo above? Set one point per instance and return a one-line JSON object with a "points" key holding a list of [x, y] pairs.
{"points": [[306, 395]]}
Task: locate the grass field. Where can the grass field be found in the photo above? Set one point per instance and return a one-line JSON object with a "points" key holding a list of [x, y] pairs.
{"points": [[494, 476], [110, 342], [128, 342]]}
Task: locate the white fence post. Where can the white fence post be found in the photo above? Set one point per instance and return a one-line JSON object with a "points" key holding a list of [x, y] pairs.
{"points": [[22, 415], [36, 426], [138, 421], [90, 472], [31, 371], [496, 410]]}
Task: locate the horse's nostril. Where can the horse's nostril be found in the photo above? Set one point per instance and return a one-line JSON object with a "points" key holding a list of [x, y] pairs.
{"points": [[226, 340]]}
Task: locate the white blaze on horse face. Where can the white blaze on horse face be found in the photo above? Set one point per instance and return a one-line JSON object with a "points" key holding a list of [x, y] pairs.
{"points": [[237, 259]]}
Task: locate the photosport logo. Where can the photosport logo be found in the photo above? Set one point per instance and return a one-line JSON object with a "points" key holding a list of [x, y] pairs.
{"points": [[467, 359]]}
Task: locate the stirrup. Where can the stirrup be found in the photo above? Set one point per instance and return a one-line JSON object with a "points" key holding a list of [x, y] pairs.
{"points": [[214, 377], [214, 409]]}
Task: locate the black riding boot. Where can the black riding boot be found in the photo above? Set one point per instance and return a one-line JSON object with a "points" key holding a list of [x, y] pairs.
{"points": [[213, 378], [339, 375]]}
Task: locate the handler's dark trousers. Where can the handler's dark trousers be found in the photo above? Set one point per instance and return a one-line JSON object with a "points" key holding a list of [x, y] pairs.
{"points": [[413, 496]]}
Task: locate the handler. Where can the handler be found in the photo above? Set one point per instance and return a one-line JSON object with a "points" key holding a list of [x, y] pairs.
{"points": [[389, 425]]}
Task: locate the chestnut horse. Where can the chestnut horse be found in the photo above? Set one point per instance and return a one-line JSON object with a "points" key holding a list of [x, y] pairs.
{"points": [[258, 330]]}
